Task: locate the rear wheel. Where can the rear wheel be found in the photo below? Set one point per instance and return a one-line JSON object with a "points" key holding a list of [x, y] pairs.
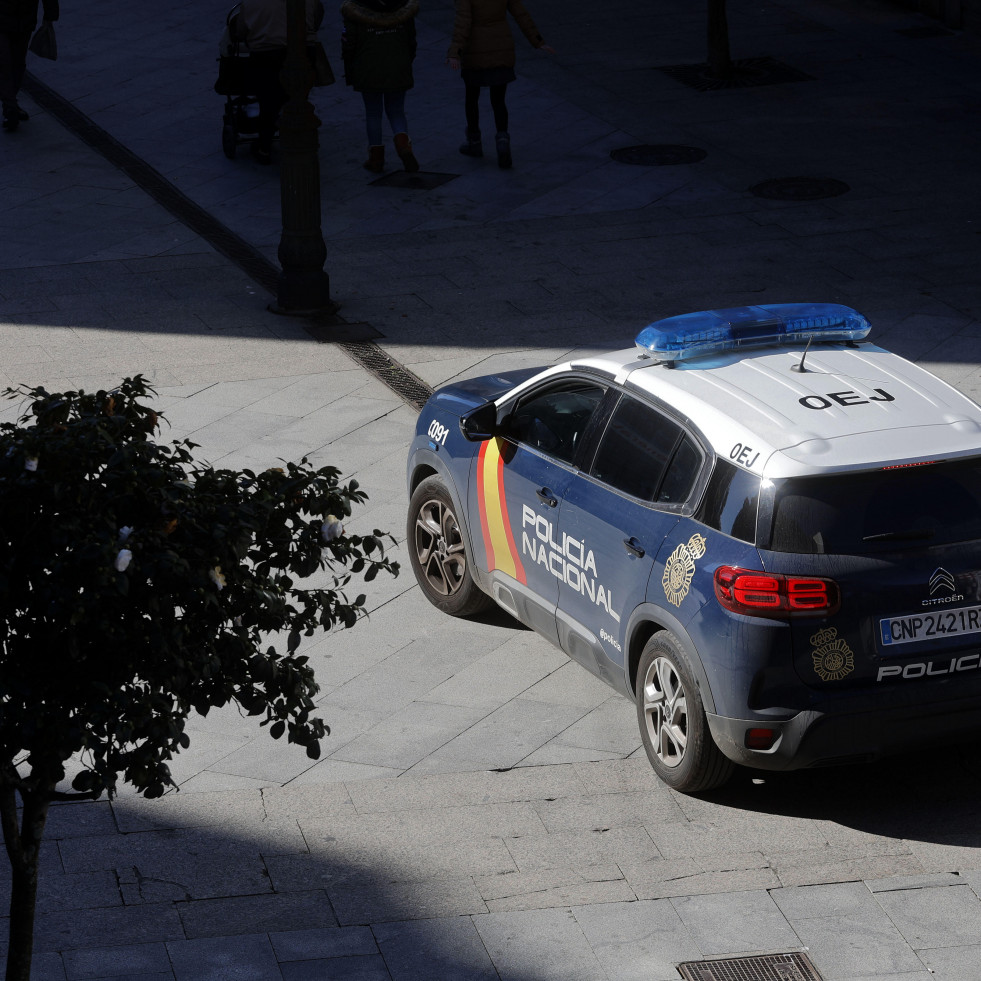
{"points": [[672, 720], [438, 553]]}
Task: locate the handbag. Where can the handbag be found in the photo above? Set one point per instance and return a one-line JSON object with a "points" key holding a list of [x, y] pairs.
{"points": [[44, 44], [323, 74]]}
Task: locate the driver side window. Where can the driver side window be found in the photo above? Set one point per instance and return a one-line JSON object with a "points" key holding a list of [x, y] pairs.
{"points": [[554, 419]]}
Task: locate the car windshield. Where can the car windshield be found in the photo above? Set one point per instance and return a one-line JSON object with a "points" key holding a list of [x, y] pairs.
{"points": [[882, 510]]}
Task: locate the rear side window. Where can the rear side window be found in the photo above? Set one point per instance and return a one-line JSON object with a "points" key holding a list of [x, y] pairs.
{"points": [[731, 501], [553, 420], [646, 455], [884, 510]]}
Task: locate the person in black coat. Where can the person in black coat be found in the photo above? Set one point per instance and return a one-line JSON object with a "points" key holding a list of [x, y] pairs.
{"points": [[378, 47], [18, 19]]}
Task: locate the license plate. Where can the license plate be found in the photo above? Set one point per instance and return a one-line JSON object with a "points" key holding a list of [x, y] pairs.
{"points": [[931, 626]]}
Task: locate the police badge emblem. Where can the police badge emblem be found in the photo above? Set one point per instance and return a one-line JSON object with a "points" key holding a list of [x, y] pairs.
{"points": [[680, 568]]}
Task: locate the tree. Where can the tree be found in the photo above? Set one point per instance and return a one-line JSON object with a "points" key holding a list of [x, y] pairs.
{"points": [[137, 586], [719, 58]]}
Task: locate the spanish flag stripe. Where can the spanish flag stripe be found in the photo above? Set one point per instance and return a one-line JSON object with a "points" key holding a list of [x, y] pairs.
{"points": [[498, 539], [482, 504], [519, 572]]}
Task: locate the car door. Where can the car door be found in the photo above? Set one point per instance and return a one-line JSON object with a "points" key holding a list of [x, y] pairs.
{"points": [[518, 482], [614, 519]]}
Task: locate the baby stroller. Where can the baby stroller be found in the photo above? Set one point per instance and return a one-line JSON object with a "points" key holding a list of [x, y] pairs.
{"points": [[251, 86], [240, 120]]}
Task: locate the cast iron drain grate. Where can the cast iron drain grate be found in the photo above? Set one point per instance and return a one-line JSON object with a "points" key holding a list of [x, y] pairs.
{"points": [[419, 181], [927, 30], [658, 155], [746, 73], [763, 967], [800, 188], [392, 374]]}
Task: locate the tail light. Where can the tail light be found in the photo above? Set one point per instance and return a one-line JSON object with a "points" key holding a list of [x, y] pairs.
{"points": [[763, 594]]}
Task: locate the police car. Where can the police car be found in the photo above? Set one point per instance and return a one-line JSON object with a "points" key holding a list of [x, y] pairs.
{"points": [[759, 526]]}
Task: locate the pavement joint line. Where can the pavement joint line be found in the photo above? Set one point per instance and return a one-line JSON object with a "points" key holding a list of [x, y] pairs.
{"points": [[391, 373]]}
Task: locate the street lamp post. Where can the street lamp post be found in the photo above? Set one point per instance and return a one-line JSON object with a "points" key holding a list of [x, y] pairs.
{"points": [[304, 286]]}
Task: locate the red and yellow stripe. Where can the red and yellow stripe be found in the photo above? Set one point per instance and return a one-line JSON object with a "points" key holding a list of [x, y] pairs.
{"points": [[502, 553]]}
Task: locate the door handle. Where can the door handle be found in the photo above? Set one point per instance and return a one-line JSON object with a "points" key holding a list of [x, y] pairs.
{"points": [[547, 497], [634, 547]]}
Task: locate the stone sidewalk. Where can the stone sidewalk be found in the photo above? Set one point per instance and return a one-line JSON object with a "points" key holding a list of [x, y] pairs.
{"points": [[483, 808]]}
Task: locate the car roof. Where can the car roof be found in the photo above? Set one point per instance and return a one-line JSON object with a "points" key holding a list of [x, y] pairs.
{"points": [[852, 406]]}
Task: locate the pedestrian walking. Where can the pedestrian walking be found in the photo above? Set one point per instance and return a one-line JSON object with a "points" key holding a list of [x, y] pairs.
{"points": [[482, 51], [261, 24], [378, 47], [18, 18]]}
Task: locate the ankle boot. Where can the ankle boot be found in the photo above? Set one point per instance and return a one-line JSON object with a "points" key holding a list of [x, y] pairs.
{"points": [[503, 142], [403, 147], [376, 159], [473, 147]]}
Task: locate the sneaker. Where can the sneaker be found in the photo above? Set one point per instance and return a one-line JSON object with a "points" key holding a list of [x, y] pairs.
{"points": [[503, 142]]}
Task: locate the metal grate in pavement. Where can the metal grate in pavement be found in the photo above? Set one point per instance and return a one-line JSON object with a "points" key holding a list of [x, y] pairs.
{"points": [[746, 73], [658, 155], [762, 967], [419, 181], [800, 188], [250, 260]]}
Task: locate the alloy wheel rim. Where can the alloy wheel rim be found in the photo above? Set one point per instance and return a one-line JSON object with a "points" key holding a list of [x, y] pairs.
{"points": [[666, 712], [439, 548]]}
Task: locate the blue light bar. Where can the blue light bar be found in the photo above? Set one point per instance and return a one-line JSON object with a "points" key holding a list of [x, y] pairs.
{"points": [[692, 335]]}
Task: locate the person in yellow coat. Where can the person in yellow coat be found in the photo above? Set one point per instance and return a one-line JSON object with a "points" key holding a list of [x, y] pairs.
{"points": [[482, 50]]}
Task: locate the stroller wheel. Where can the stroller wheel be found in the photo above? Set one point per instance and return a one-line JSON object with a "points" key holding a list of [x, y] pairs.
{"points": [[229, 140]]}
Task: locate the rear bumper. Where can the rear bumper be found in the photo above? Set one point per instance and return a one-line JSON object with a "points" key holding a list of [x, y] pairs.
{"points": [[842, 734]]}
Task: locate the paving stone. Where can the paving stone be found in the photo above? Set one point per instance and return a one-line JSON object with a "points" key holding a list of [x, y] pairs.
{"points": [[638, 941], [323, 943], [950, 963], [934, 916], [583, 848], [364, 968], [359, 901], [736, 922], [246, 958], [255, 914], [136, 960], [448, 949]]}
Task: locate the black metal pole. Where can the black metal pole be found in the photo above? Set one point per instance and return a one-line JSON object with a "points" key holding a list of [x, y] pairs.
{"points": [[304, 286]]}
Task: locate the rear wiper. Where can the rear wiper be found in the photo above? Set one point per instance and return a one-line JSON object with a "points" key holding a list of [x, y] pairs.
{"points": [[920, 534]]}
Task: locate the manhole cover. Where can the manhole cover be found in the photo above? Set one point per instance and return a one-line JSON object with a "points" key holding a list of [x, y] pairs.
{"points": [[763, 967], [800, 188], [926, 30], [419, 181], [658, 155], [746, 72]]}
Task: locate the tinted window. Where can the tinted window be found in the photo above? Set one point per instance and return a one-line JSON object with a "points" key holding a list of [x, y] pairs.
{"points": [[879, 511], [731, 501], [635, 449], [682, 473], [553, 420]]}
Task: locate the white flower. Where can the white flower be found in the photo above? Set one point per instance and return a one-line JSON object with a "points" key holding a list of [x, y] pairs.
{"points": [[217, 578], [31, 463], [331, 528], [123, 559], [124, 533]]}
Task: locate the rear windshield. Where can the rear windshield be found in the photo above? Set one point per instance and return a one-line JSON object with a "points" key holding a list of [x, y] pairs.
{"points": [[883, 510]]}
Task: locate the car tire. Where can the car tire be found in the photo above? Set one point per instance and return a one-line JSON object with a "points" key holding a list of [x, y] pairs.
{"points": [[437, 550], [672, 719]]}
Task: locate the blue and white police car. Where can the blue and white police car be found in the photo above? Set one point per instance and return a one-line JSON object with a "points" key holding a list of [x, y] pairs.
{"points": [[759, 526]]}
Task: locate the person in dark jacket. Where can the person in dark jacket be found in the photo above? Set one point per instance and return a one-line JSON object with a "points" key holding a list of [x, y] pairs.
{"points": [[378, 47], [482, 50], [18, 19]]}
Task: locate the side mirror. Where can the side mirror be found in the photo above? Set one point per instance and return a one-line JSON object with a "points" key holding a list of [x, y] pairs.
{"points": [[480, 424]]}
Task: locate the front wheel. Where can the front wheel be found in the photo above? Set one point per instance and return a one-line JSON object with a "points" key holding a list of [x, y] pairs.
{"points": [[672, 720], [438, 553]]}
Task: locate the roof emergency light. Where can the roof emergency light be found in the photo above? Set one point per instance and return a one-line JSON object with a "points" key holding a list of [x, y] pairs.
{"points": [[692, 335]]}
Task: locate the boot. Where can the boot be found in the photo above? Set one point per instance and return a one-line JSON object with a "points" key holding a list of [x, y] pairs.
{"points": [[503, 141], [403, 147], [376, 159], [473, 147]]}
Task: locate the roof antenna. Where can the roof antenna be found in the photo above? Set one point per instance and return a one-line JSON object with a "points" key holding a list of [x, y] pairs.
{"points": [[800, 367]]}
